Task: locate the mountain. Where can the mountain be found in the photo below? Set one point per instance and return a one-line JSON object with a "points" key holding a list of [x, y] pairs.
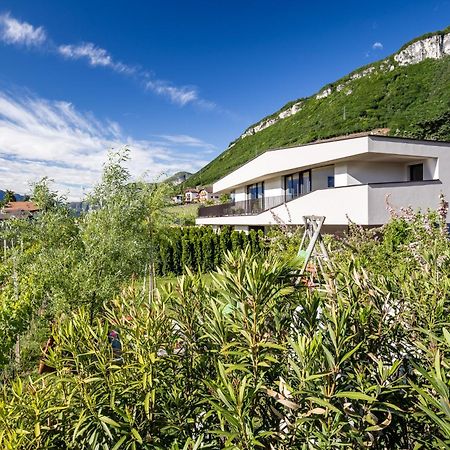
{"points": [[178, 178], [407, 94]]}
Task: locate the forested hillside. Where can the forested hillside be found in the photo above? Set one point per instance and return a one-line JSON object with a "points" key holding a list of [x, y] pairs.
{"points": [[407, 93]]}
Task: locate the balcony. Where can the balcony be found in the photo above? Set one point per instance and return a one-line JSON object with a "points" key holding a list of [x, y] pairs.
{"points": [[244, 208], [343, 199]]}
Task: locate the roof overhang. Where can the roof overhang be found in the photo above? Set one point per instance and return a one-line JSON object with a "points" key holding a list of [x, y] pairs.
{"points": [[280, 162]]}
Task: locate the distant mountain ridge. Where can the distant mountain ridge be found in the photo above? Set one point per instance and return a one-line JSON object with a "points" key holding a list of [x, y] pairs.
{"points": [[178, 178], [407, 93]]}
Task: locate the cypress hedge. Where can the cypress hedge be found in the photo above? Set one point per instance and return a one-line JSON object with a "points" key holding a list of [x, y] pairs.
{"points": [[201, 249]]}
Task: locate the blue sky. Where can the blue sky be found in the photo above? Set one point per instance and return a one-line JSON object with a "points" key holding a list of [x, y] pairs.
{"points": [[175, 80]]}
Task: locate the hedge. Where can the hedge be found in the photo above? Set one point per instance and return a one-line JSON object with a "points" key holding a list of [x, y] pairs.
{"points": [[201, 249]]}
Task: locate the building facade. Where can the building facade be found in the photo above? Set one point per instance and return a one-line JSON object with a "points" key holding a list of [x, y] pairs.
{"points": [[348, 178], [207, 195], [190, 196]]}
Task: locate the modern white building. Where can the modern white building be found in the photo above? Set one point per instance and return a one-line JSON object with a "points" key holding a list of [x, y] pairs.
{"points": [[341, 179]]}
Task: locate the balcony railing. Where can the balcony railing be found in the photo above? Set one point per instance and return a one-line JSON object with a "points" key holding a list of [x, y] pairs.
{"points": [[257, 206], [244, 208]]}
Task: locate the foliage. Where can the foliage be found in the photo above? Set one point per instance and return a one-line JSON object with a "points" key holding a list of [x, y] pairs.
{"points": [[57, 262], [224, 198], [183, 215], [255, 359], [43, 196], [200, 249], [8, 197]]}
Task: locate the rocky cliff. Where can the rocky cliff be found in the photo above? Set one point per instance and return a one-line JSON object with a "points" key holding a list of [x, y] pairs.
{"points": [[433, 47]]}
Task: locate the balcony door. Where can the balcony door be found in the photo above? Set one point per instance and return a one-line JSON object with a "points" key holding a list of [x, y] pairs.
{"points": [[416, 172], [305, 182], [255, 197], [291, 186]]}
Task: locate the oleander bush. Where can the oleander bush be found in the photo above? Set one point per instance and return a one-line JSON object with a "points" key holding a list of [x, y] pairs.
{"points": [[59, 261], [257, 359]]}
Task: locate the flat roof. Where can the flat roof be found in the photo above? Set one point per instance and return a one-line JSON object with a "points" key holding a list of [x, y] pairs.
{"points": [[375, 135]]}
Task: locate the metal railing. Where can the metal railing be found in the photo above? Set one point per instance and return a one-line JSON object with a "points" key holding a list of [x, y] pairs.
{"points": [[244, 208]]}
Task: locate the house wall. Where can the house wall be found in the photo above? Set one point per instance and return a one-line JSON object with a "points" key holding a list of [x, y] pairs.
{"points": [[243, 228], [274, 187], [340, 175], [240, 194], [416, 195], [430, 168], [430, 151], [362, 172], [319, 177]]}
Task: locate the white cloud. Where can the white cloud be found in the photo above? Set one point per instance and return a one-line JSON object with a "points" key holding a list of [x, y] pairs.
{"points": [[178, 95], [377, 46], [188, 141], [49, 138], [96, 56], [12, 31]]}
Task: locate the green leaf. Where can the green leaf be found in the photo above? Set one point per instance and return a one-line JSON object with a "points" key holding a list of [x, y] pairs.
{"points": [[324, 403], [350, 353], [355, 396], [446, 335], [136, 435], [109, 421], [119, 442]]}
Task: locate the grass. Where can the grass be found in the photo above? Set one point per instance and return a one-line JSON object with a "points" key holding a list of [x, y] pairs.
{"points": [[162, 282], [183, 215]]}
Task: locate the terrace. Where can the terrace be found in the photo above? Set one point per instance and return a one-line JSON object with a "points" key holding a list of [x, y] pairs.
{"points": [[254, 207]]}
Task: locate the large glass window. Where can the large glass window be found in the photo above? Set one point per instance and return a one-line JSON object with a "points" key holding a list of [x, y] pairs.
{"points": [[297, 184], [305, 182], [291, 186], [255, 191]]}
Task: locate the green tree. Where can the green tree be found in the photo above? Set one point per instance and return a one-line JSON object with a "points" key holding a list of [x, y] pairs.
{"points": [[236, 240], [43, 196], [9, 197], [225, 239]]}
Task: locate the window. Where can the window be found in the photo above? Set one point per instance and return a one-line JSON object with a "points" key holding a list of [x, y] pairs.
{"points": [[255, 198], [255, 191], [305, 182], [330, 182], [416, 172], [297, 184], [291, 186]]}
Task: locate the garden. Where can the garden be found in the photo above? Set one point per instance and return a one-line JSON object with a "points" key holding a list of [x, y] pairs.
{"points": [[236, 351]]}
